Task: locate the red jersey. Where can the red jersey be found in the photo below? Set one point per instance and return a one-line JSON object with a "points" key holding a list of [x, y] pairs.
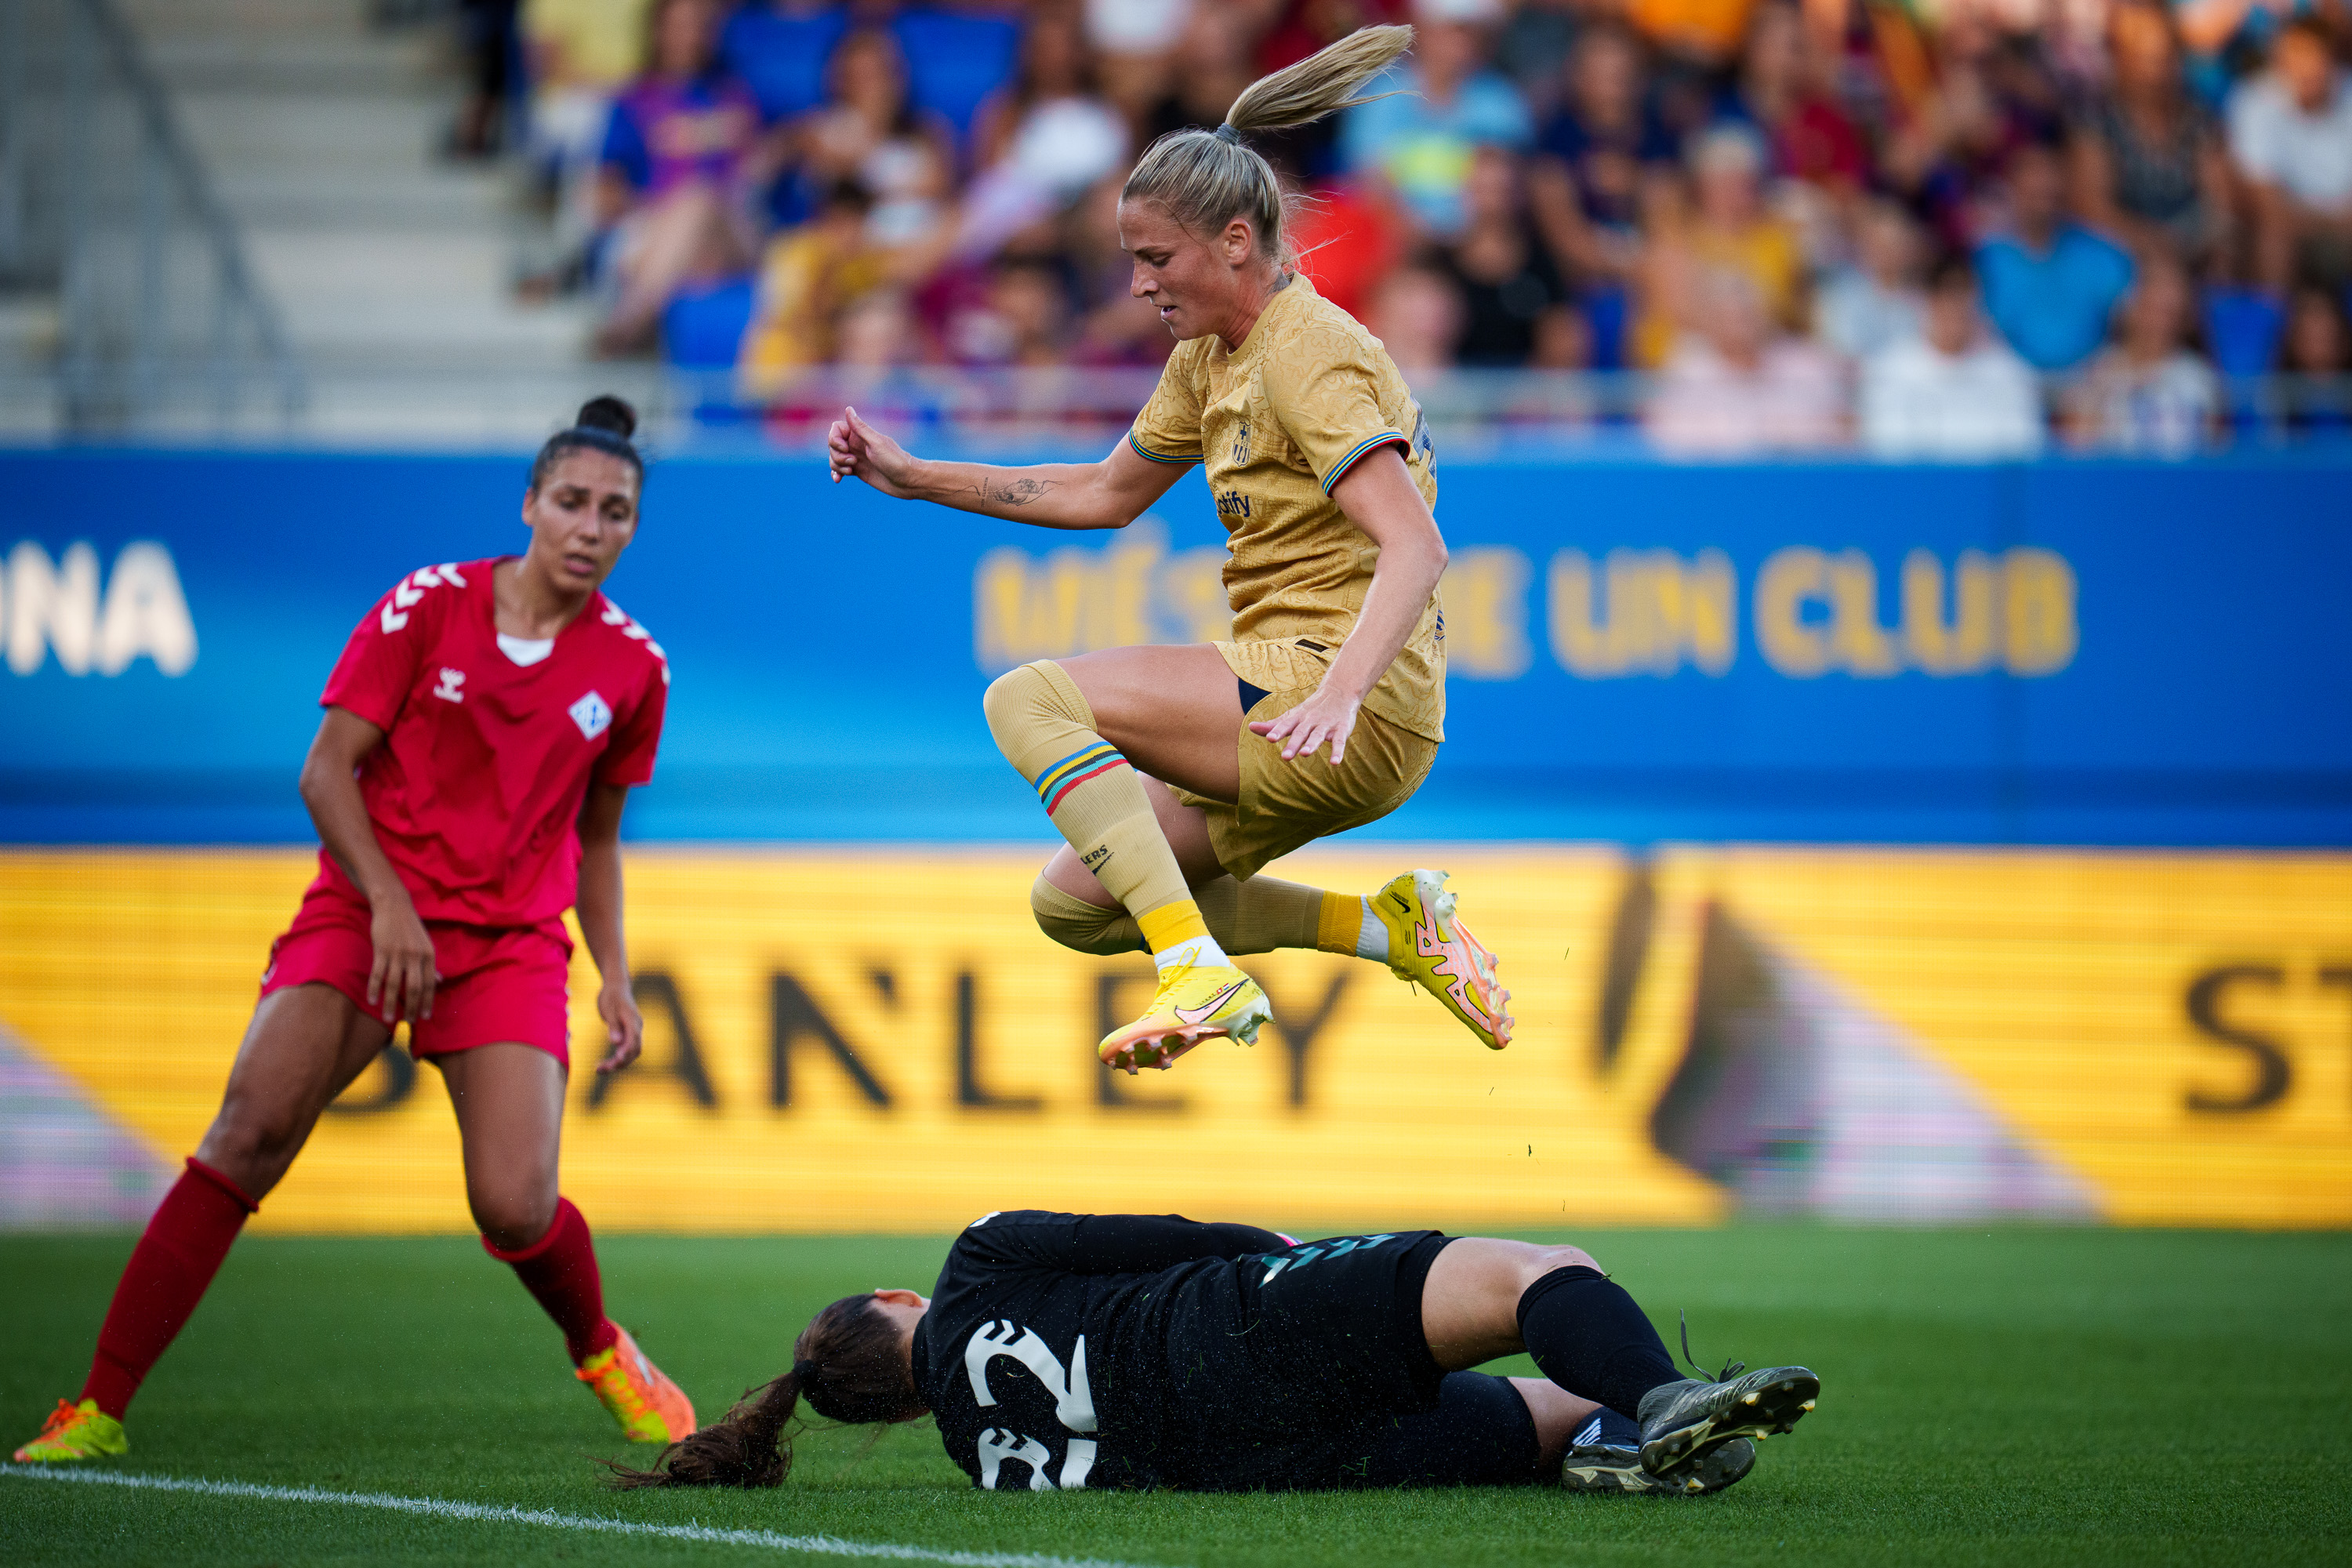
{"points": [[476, 791]]}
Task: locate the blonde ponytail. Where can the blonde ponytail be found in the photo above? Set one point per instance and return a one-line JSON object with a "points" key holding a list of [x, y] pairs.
{"points": [[1323, 83], [1207, 179]]}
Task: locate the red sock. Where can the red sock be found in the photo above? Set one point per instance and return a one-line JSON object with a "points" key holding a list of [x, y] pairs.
{"points": [[191, 1232], [560, 1270]]}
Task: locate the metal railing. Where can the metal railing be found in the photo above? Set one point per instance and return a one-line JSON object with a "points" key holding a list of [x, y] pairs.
{"points": [[107, 213], [1009, 400], [1073, 405], [1469, 411]]}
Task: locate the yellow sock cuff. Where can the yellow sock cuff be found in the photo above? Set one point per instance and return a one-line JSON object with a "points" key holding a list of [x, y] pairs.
{"points": [[1168, 924], [1341, 923]]}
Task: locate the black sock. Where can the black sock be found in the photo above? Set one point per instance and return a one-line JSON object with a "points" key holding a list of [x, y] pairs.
{"points": [[1588, 1337], [1608, 1429]]}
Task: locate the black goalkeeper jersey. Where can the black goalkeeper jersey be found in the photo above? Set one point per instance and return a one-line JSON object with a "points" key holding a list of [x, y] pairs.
{"points": [[1046, 1345], [1064, 1351]]}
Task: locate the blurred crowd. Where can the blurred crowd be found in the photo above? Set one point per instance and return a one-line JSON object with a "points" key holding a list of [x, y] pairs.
{"points": [[1947, 225]]}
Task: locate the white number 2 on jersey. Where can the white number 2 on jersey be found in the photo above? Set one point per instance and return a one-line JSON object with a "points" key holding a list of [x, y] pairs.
{"points": [[1074, 1403], [998, 1444]]}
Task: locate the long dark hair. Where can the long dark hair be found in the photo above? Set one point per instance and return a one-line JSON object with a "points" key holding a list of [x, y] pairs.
{"points": [[848, 1363]]}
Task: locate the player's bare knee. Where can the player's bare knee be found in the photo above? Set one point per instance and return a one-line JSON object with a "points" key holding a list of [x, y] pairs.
{"points": [[252, 1150], [1543, 1261], [512, 1221], [512, 1228]]}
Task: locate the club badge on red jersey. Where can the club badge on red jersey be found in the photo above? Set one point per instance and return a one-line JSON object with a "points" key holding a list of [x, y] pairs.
{"points": [[592, 714]]}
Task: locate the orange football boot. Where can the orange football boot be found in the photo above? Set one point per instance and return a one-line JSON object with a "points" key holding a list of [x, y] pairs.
{"points": [[75, 1432], [648, 1406]]}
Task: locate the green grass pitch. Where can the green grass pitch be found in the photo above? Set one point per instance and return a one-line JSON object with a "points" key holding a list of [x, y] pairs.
{"points": [[2012, 1396]]}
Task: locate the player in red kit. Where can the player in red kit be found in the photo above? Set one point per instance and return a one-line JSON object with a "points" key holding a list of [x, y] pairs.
{"points": [[483, 728]]}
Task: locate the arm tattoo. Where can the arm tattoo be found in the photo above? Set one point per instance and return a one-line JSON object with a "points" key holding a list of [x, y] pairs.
{"points": [[1011, 492]]}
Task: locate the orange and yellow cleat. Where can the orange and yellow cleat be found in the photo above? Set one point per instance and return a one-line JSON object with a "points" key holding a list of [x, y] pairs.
{"points": [[648, 1406], [1428, 946], [1195, 1002], [74, 1433]]}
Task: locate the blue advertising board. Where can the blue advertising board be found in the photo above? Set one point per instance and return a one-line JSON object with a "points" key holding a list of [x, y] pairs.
{"points": [[2057, 652]]}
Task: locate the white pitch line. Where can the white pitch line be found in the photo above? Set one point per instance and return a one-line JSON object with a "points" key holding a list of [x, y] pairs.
{"points": [[437, 1508]]}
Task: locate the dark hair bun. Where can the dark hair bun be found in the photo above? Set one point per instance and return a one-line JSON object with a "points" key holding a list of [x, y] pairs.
{"points": [[606, 411]]}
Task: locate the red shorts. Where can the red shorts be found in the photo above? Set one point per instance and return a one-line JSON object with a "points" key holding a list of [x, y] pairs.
{"points": [[497, 983]]}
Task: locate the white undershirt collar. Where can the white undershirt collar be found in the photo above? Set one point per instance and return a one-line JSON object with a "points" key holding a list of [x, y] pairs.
{"points": [[526, 651]]}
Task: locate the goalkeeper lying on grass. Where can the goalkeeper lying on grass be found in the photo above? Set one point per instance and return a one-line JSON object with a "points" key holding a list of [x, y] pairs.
{"points": [[1064, 1350]]}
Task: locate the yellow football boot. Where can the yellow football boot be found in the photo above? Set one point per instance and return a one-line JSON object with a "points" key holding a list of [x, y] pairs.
{"points": [[75, 1432], [1195, 1002], [1430, 947], [648, 1406]]}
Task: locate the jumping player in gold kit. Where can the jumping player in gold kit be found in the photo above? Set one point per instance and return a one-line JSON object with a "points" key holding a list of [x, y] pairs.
{"points": [[1176, 773]]}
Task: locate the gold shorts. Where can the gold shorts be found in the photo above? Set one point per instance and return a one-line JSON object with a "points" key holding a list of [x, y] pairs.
{"points": [[1284, 805]]}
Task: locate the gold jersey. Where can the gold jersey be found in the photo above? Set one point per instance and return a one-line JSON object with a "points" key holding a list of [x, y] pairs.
{"points": [[1275, 424]]}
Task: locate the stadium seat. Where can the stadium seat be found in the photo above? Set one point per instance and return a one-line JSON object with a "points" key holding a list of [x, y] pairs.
{"points": [[2242, 331], [702, 328], [2242, 327], [781, 57], [1606, 310], [955, 60]]}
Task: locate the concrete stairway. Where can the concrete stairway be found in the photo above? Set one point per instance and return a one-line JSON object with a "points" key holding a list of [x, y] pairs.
{"points": [[391, 266]]}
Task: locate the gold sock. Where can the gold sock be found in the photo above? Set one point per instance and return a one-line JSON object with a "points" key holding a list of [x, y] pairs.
{"points": [[1266, 912], [1046, 730], [1339, 923], [1083, 926], [1171, 924], [1256, 916]]}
